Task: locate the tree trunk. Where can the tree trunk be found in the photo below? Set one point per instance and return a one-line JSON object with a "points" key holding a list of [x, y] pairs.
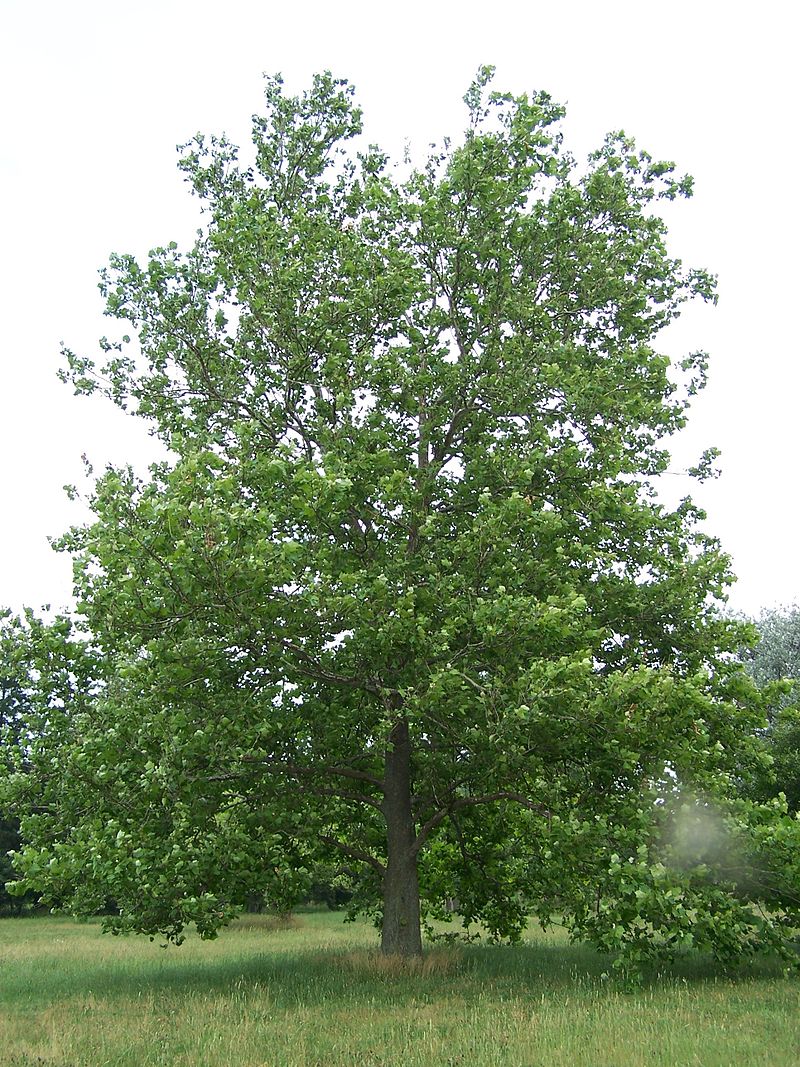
{"points": [[400, 933]]}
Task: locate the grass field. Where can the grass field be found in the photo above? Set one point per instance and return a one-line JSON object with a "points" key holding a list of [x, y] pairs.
{"points": [[314, 993]]}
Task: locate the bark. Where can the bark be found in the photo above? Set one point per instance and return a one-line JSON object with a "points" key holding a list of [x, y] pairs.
{"points": [[400, 933]]}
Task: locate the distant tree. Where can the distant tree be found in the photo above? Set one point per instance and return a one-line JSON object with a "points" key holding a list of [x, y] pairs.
{"points": [[9, 826], [47, 676], [776, 655], [13, 708], [776, 658], [403, 601]]}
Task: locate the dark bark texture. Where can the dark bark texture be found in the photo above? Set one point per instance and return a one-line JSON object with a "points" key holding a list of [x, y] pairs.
{"points": [[401, 933]]}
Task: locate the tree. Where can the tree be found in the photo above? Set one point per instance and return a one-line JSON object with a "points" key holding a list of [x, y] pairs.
{"points": [[403, 597], [776, 659], [776, 655], [11, 705], [39, 671]]}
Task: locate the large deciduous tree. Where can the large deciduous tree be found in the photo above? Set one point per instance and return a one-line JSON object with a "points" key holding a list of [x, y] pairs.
{"points": [[404, 595]]}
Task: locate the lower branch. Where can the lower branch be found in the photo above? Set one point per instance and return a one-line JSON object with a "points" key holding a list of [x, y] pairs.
{"points": [[354, 853], [463, 802]]}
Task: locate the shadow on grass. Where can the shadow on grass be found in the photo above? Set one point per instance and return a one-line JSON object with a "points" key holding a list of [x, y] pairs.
{"points": [[312, 975], [563, 966]]}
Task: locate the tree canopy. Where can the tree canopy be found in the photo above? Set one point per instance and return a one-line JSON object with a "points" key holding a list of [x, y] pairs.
{"points": [[404, 598]]}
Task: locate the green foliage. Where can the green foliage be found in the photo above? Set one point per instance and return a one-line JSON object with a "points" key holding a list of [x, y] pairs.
{"points": [[404, 597], [13, 708], [44, 672], [774, 663], [776, 654]]}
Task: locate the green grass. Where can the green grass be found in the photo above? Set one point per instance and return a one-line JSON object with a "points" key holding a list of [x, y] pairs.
{"points": [[316, 993]]}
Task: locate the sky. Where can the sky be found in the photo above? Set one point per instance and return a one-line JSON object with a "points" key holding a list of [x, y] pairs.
{"points": [[95, 96]]}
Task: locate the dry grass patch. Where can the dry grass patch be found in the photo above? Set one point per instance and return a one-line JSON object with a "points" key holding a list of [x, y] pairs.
{"points": [[369, 962], [266, 923]]}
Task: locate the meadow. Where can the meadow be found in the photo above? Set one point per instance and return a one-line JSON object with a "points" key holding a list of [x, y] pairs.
{"points": [[312, 992]]}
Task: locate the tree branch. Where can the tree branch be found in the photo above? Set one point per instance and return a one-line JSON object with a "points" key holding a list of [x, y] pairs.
{"points": [[312, 669], [281, 766], [342, 794], [462, 802], [354, 853]]}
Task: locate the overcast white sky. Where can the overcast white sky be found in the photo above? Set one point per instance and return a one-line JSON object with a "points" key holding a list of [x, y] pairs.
{"points": [[95, 94]]}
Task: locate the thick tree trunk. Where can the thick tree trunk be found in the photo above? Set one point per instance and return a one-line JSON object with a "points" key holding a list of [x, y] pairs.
{"points": [[401, 923]]}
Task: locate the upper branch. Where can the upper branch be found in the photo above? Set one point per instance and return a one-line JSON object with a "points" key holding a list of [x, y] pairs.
{"points": [[290, 769]]}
